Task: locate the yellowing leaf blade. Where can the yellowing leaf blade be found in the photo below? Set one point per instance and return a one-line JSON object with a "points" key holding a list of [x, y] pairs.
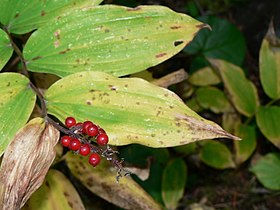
{"points": [[270, 64], [16, 102], [108, 38], [130, 110], [57, 192], [245, 148], [101, 180], [242, 92]]}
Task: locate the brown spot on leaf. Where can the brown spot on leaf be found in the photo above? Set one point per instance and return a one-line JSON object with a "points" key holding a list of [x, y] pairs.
{"points": [[161, 142], [66, 194], [89, 103], [8, 84], [153, 135], [47, 184], [36, 58], [161, 55], [138, 103], [70, 204], [91, 90], [107, 30], [57, 34], [175, 27], [90, 182], [16, 16], [43, 13], [177, 43], [64, 51], [112, 87], [56, 44]]}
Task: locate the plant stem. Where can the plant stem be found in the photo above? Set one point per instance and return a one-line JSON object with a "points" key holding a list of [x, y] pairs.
{"points": [[18, 52], [25, 72]]}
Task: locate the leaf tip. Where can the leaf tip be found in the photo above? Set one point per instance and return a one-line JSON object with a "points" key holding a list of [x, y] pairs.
{"points": [[203, 25]]}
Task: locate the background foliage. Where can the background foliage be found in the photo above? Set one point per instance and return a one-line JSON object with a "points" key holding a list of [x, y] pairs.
{"points": [[234, 80]]}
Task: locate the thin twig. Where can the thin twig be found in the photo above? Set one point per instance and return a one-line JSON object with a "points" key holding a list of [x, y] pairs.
{"points": [[18, 52], [172, 78]]}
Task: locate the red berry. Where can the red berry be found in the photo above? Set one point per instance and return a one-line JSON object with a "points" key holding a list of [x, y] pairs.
{"points": [[75, 144], [102, 139], [85, 125], [65, 140], [101, 130], [92, 130], [70, 121], [79, 126], [84, 149], [94, 159]]}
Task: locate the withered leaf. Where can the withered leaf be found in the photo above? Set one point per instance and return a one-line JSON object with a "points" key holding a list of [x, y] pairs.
{"points": [[26, 162]]}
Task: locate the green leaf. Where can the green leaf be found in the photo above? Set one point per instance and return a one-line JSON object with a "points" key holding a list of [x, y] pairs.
{"points": [[212, 98], [224, 41], [193, 105], [216, 155], [114, 39], [26, 15], [268, 122], [186, 149], [270, 65], [57, 192], [5, 49], [101, 180], [16, 104], [173, 182], [267, 170], [242, 92], [204, 77], [245, 148], [148, 114]]}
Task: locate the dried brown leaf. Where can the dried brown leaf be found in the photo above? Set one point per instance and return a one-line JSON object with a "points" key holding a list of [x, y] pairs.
{"points": [[26, 162]]}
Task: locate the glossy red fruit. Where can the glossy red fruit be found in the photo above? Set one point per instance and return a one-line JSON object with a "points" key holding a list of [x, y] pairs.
{"points": [[94, 159], [85, 125], [70, 121], [84, 149], [102, 139], [75, 144], [92, 130], [101, 130], [65, 140], [79, 127]]}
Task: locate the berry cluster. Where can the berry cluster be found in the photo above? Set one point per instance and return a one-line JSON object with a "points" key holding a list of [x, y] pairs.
{"points": [[89, 139], [81, 139]]}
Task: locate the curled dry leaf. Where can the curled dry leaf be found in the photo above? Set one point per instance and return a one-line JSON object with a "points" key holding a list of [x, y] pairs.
{"points": [[101, 181], [26, 162]]}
